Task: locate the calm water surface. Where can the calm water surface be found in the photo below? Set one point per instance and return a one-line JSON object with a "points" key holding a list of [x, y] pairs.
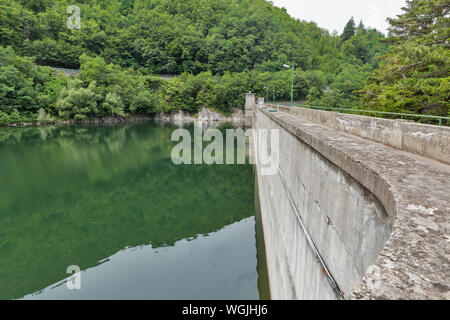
{"points": [[109, 200]]}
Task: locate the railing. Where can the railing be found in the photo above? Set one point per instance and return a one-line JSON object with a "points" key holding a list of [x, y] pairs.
{"points": [[404, 116]]}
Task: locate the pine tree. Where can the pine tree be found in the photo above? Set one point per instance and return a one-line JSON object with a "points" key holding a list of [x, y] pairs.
{"points": [[349, 30], [361, 26], [425, 21], [414, 76]]}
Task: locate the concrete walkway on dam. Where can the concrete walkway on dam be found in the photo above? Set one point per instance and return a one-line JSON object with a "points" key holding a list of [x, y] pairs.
{"points": [[332, 168]]}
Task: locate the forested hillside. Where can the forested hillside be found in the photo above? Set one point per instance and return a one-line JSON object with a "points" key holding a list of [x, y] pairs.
{"points": [[415, 76], [170, 36], [221, 48]]}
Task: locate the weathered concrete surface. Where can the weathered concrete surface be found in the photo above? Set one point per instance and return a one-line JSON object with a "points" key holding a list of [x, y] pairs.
{"points": [[342, 184], [250, 104], [321, 192], [426, 140]]}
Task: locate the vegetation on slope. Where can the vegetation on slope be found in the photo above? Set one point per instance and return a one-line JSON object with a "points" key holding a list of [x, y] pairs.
{"points": [[414, 76], [221, 48]]}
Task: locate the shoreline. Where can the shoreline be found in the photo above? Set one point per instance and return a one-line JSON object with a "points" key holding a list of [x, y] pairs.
{"points": [[205, 115]]}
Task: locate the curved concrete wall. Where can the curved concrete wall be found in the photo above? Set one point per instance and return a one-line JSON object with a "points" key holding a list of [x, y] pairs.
{"points": [[346, 222], [378, 217], [425, 140]]}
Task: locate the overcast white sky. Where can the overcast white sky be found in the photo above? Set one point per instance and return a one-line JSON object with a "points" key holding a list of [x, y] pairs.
{"points": [[334, 14]]}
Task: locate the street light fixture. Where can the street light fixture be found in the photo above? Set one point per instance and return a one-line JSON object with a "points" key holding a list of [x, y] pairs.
{"points": [[292, 84]]}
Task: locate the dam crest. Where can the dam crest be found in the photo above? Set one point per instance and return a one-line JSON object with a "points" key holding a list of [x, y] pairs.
{"points": [[359, 207]]}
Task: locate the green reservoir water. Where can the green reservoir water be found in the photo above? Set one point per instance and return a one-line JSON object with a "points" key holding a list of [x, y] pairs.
{"points": [[109, 200]]}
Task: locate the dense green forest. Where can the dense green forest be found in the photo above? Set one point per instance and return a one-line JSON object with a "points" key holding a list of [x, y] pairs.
{"points": [[220, 49]]}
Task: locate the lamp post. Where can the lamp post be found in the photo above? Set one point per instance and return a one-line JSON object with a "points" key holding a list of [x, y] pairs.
{"points": [[267, 93], [292, 84]]}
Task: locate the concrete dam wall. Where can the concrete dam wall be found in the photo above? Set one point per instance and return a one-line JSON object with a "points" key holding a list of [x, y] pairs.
{"points": [[346, 217]]}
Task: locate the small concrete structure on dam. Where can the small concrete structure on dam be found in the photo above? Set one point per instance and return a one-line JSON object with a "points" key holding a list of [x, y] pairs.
{"points": [[359, 207]]}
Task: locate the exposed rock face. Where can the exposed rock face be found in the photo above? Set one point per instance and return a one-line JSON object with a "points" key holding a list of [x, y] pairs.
{"points": [[205, 115], [133, 118], [107, 120]]}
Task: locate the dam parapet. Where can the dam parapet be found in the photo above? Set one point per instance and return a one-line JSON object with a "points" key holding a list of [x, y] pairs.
{"points": [[359, 207]]}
